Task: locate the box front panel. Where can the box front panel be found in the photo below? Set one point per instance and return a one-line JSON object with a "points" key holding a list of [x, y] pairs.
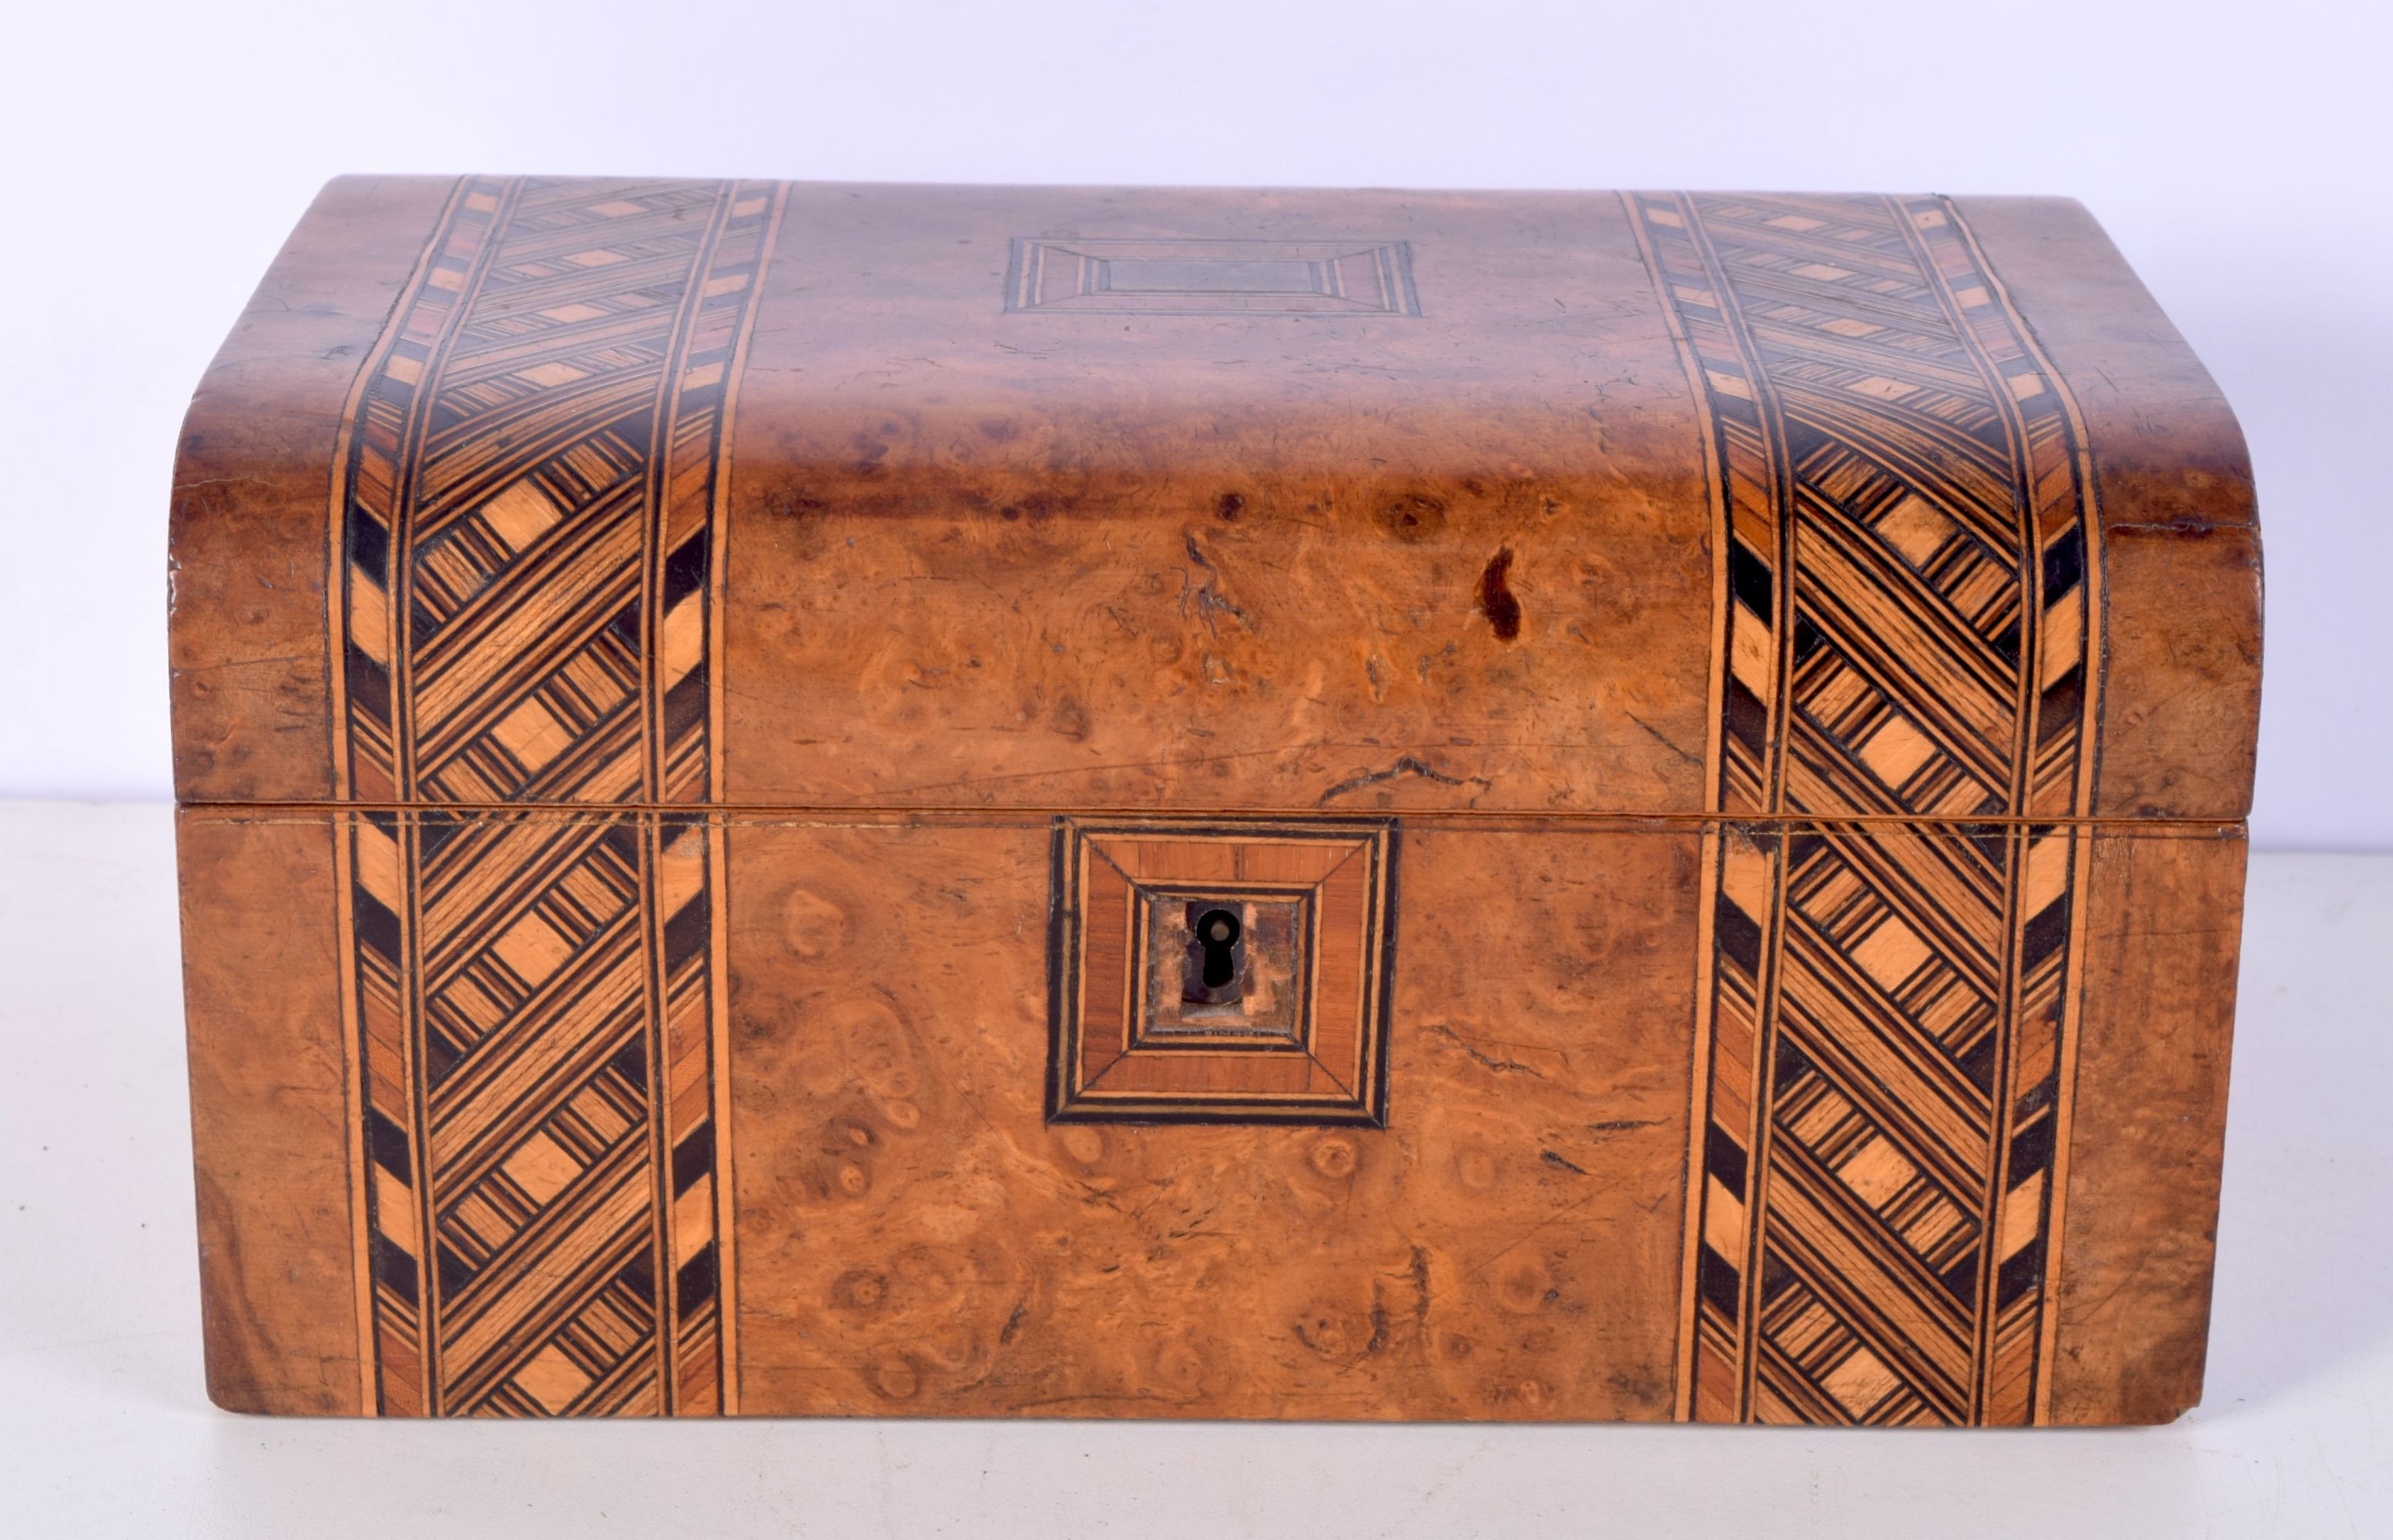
{"points": [[916, 1235], [903, 1229]]}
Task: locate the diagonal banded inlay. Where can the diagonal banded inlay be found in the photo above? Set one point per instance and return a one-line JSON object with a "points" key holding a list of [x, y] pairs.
{"points": [[527, 517], [1907, 615]]}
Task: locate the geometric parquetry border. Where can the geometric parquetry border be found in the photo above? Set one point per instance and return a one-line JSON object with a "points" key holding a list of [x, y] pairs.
{"points": [[525, 535], [1907, 635], [1339, 874]]}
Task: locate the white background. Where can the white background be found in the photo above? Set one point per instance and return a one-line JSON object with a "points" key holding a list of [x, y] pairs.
{"points": [[157, 156], [159, 153]]}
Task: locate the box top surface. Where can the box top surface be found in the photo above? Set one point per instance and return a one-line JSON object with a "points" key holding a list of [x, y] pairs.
{"points": [[518, 491]]}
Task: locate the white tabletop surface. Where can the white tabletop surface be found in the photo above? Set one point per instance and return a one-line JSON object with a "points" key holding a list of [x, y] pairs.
{"points": [[104, 1430]]}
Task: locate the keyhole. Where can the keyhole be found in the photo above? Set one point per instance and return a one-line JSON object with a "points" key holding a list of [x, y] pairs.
{"points": [[1217, 932]]}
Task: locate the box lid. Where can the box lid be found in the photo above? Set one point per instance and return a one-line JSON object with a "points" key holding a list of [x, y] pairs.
{"points": [[643, 492]]}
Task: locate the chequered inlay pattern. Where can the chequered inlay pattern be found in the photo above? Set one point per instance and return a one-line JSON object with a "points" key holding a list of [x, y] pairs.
{"points": [[1906, 625], [527, 518]]}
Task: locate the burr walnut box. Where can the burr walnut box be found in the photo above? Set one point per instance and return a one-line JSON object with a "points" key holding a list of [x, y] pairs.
{"points": [[807, 799]]}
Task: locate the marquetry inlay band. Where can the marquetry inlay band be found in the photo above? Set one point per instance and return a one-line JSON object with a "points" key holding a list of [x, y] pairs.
{"points": [[527, 518], [1906, 617]]}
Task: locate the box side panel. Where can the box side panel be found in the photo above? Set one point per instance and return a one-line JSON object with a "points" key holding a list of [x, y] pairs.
{"points": [[2179, 553], [914, 1238], [251, 524], [2165, 918], [270, 1125]]}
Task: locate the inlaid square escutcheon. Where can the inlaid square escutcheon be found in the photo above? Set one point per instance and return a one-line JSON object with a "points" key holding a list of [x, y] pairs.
{"points": [[1209, 971]]}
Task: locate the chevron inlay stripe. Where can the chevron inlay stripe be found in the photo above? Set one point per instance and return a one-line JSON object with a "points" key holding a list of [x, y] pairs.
{"points": [[527, 518], [1907, 624]]}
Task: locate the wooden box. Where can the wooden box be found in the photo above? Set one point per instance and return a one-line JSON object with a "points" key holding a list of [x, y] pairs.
{"points": [[962, 801]]}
